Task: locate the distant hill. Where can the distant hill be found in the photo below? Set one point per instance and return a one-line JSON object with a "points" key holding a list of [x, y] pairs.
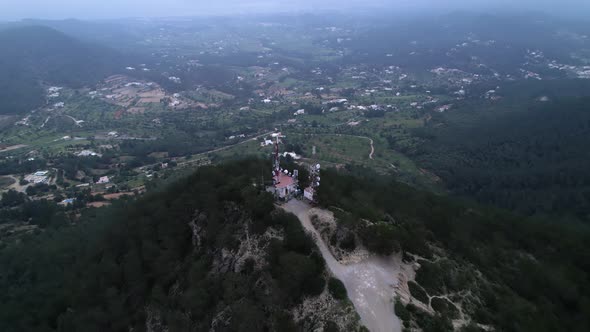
{"points": [[499, 41], [31, 55], [116, 34], [519, 153]]}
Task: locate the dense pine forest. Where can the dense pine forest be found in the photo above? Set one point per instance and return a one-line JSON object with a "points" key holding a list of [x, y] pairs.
{"points": [[529, 157], [194, 256], [34, 55]]}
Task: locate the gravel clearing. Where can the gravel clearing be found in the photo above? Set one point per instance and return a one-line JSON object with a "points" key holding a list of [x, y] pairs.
{"points": [[370, 283]]}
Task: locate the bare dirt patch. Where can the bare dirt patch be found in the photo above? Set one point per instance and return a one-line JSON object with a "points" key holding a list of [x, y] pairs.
{"points": [[98, 204], [13, 147], [6, 181], [370, 283]]}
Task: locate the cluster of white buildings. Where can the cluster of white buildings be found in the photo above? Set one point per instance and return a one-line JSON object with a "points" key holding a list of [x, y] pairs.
{"points": [[37, 177], [103, 180], [88, 153], [175, 79], [53, 92], [237, 136], [579, 71]]}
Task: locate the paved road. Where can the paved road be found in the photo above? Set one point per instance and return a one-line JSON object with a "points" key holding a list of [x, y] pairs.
{"points": [[369, 283]]}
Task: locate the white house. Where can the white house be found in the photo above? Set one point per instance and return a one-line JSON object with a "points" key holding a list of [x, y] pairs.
{"points": [[103, 179], [292, 154], [267, 142], [309, 193], [88, 153]]}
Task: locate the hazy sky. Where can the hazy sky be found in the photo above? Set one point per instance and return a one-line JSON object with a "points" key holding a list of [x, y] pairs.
{"points": [[59, 9]]}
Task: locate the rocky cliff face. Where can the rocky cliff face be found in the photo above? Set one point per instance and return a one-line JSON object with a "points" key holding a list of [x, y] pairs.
{"points": [[346, 246]]}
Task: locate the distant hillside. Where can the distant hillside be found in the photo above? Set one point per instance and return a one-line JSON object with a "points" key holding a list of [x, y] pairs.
{"points": [[31, 55], [116, 34], [520, 154], [499, 41]]}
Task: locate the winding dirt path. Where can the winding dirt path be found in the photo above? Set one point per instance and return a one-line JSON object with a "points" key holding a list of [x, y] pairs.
{"points": [[76, 121], [370, 283]]}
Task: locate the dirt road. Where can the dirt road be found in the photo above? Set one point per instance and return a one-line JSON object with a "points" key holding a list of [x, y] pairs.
{"points": [[231, 146], [369, 283], [363, 137], [14, 147], [214, 150]]}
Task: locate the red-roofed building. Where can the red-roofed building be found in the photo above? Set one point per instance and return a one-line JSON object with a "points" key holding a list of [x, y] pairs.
{"points": [[285, 186], [284, 183]]}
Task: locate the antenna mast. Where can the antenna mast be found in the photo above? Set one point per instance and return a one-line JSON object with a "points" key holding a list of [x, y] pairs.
{"points": [[277, 162]]}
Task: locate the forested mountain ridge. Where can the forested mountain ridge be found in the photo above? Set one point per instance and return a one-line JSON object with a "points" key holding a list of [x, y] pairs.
{"points": [[33, 54], [112, 34], [210, 252]]}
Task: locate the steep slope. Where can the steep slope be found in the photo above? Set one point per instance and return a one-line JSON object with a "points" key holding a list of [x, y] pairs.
{"points": [[475, 268], [31, 55]]}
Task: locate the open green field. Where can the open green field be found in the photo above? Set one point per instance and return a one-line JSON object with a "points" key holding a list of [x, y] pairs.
{"points": [[339, 150], [49, 143], [250, 148]]}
